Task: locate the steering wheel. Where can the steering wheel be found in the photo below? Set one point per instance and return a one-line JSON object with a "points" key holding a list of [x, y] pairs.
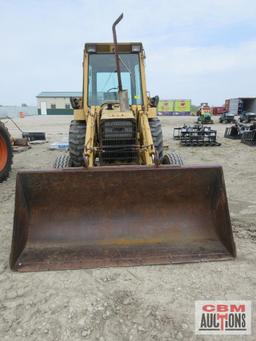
{"points": [[116, 88]]}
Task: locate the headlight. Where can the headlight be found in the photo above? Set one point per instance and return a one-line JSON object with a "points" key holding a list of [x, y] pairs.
{"points": [[91, 48], [136, 48]]}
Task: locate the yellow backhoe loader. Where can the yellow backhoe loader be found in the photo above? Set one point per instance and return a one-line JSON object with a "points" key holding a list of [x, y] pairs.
{"points": [[116, 199]]}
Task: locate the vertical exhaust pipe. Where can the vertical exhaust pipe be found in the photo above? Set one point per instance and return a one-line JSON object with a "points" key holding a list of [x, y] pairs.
{"points": [[122, 94]]}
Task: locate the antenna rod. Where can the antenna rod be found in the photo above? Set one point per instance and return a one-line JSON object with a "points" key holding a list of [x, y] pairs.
{"points": [[120, 88]]}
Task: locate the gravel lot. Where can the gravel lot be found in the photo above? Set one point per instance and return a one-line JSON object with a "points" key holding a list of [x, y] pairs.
{"points": [[142, 303]]}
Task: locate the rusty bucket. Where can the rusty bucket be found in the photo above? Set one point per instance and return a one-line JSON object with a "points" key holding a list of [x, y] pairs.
{"points": [[120, 216]]}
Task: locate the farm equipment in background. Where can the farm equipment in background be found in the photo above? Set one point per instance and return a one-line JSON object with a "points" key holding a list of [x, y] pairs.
{"points": [[236, 131], [223, 112], [24, 142], [196, 135], [177, 132], [227, 117], [233, 132], [34, 136], [247, 117], [26, 136], [6, 152], [9, 145], [204, 114], [120, 201], [249, 136]]}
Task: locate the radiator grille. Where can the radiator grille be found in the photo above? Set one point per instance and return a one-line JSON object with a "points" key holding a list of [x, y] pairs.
{"points": [[118, 140]]}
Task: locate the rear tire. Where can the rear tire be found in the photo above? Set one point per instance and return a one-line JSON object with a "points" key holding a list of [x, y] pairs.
{"points": [[157, 135], [62, 161], [172, 159], [76, 142], [6, 153]]}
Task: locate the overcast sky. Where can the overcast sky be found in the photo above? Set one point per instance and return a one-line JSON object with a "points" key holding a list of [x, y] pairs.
{"points": [[199, 49]]}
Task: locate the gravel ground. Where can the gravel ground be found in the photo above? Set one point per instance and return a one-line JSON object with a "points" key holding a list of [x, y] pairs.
{"points": [[134, 303]]}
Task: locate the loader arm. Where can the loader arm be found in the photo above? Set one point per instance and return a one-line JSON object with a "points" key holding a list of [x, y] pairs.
{"points": [[89, 148], [148, 150]]}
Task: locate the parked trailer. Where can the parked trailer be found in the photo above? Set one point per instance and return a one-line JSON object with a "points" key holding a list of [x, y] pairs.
{"points": [[242, 106], [226, 105], [235, 106], [218, 110]]}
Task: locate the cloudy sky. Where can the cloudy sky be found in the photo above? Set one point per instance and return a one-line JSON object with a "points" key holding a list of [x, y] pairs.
{"points": [[199, 49]]}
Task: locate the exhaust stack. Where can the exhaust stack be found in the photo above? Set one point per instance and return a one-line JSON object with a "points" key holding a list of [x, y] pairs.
{"points": [[122, 94]]}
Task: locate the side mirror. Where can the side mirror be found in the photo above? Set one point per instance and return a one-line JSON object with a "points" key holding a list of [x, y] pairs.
{"points": [[154, 101], [76, 102]]}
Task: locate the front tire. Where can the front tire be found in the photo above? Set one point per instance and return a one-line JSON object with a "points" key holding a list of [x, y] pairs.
{"points": [[157, 135], [77, 132], [172, 159]]}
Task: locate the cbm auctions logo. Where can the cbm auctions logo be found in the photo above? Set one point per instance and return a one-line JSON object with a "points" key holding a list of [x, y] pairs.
{"points": [[223, 317]]}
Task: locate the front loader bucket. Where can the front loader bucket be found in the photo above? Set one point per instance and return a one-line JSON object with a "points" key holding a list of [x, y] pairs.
{"points": [[120, 216]]}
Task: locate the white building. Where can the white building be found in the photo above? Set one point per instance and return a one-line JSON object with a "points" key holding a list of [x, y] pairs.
{"points": [[55, 102]]}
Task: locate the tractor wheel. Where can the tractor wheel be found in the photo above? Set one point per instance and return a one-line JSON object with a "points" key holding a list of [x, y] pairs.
{"points": [[76, 142], [6, 153], [173, 159], [157, 135], [62, 161]]}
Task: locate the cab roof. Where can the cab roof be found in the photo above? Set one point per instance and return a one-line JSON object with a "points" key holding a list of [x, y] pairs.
{"points": [[132, 47]]}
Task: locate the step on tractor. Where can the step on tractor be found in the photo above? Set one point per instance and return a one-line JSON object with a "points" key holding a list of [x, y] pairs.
{"points": [[116, 199], [6, 152]]}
